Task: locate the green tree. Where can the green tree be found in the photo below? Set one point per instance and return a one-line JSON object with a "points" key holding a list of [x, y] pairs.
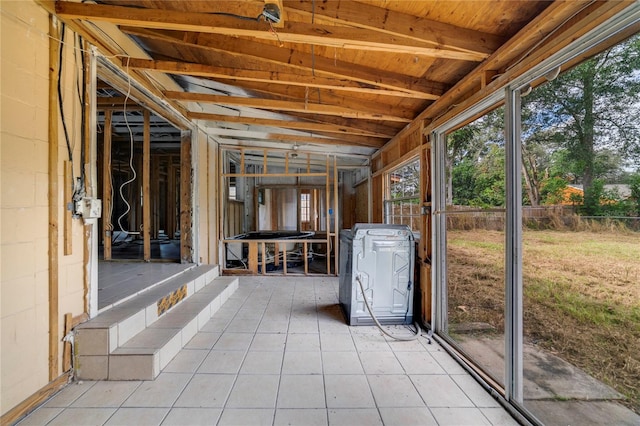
{"points": [[552, 190], [634, 184], [461, 153], [589, 112], [475, 162]]}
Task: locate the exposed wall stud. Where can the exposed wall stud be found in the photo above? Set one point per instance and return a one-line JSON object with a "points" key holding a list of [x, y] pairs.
{"points": [[146, 193], [54, 202]]}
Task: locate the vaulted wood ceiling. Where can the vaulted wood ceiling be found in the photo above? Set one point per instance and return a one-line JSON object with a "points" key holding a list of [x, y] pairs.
{"points": [[343, 76]]}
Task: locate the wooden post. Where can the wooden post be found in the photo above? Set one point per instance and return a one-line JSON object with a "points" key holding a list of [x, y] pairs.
{"points": [[253, 257], [212, 216], [171, 198], [328, 216], [107, 226], [186, 240], [155, 196], [89, 162], [284, 260], [68, 198], [425, 291], [274, 199], [54, 201], [146, 198], [264, 161], [335, 215], [136, 193]]}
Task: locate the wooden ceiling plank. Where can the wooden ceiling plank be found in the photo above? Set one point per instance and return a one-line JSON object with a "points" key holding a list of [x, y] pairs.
{"points": [[270, 56], [441, 35], [518, 55], [522, 52], [294, 125], [270, 77], [292, 32], [301, 107]]}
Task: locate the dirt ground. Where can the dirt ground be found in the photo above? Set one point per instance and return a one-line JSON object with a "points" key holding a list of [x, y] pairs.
{"points": [[581, 296]]}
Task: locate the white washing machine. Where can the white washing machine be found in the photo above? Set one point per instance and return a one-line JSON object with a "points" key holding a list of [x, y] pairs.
{"points": [[382, 258]]}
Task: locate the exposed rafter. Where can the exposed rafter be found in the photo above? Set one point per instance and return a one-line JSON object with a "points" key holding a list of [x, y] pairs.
{"points": [[295, 125], [301, 107], [260, 135], [271, 77], [264, 57]]}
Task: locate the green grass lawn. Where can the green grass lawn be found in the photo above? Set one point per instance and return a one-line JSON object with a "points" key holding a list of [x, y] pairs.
{"points": [[581, 296]]}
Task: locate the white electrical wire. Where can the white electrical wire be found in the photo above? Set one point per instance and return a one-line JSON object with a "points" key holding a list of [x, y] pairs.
{"points": [[133, 170]]}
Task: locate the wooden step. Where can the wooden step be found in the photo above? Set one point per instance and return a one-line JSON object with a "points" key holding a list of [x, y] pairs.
{"points": [[136, 339]]}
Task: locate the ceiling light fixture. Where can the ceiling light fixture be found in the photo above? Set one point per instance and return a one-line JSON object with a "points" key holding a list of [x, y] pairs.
{"points": [[553, 74], [271, 12], [295, 147]]}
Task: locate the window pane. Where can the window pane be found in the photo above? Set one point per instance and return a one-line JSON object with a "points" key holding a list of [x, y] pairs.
{"points": [[475, 242], [581, 151], [402, 203], [304, 207]]}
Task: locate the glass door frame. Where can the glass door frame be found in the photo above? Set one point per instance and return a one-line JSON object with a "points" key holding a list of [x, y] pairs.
{"points": [[510, 95]]}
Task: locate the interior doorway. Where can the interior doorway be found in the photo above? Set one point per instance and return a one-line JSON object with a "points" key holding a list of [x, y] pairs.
{"points": [[143, 162]]}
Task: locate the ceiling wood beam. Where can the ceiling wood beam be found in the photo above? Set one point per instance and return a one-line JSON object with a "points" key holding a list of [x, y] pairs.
{"points": [[294, 125], [300, 107], [368, 125], [265, 57], [117, 103], [270, 77], [293, 32], [291, 140], [306, 96], [396, 24], [266, 136]]}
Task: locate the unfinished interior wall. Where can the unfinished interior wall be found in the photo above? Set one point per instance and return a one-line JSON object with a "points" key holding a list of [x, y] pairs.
{"points": [[361, 203], [406, 146], [206, 192], [347, 194], [24, 236]]}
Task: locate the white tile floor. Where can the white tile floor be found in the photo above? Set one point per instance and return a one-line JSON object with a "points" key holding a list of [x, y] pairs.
{"points": [[279, 353]]}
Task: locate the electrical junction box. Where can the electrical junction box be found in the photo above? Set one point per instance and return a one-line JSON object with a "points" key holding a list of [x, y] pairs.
{"points": [[382, 258], [89, 208]]}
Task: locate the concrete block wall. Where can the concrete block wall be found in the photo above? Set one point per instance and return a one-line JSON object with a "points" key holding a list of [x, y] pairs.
{"points": [[24, 200], [24, 208]]}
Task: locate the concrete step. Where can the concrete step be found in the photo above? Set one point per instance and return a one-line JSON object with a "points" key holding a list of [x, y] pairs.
{"points": [[136, 339]]}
